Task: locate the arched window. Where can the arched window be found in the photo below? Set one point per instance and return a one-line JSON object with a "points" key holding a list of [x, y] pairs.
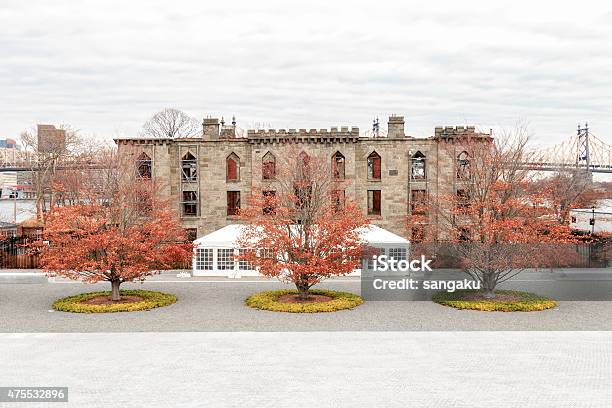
{"points": [[338, 198], [303, 166], [143, 165], [233, 168], [189, 167], [268, 166], [338, 166], [417, 171], [463, 165], [374, 166]]}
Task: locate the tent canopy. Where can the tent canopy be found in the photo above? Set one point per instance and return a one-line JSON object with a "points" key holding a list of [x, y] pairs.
{"points": [[226, 237]]}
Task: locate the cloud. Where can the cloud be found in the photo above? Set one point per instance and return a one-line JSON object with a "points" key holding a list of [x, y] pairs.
{"points": [[107, 66]]}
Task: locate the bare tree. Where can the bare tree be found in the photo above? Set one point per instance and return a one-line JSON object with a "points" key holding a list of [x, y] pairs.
{"points": [[171, 123], [49, 159]]}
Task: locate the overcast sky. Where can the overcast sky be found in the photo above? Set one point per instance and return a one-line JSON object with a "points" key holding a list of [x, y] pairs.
{"points": [[106, 66]]}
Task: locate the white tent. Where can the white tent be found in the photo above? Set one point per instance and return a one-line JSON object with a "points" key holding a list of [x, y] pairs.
{"points": [[214, 254]]}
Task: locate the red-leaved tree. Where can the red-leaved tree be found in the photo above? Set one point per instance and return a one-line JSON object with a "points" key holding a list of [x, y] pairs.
{"points": [[299, 227], [496, 223], [122, 235]]}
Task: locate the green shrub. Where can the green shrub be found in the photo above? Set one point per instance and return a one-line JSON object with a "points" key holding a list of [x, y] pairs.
{"points": [[527, 302], [150, 300], [269, 301]]}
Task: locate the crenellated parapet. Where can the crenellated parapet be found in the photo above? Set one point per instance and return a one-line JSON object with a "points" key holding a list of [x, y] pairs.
{"points": [[343, 134], [449, 132]]}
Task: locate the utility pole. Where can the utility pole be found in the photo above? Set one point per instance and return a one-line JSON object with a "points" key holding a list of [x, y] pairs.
{"points": [[15, 207]]}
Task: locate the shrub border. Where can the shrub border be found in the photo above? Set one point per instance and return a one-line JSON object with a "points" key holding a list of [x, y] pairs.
{"points": [[268, 300], [152, 299], [529, 302]]}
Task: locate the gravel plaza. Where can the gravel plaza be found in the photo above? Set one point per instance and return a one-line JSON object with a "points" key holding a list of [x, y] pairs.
{"points": [[217, 304], [210, 350], [324, 369]]}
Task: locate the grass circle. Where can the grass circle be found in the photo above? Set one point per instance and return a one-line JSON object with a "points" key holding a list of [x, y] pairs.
{"points": [[269, 301], [526, 302], [150, 300]]}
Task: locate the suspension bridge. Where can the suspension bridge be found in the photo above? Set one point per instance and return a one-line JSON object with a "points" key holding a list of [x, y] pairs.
{"points": [[583, 152]]}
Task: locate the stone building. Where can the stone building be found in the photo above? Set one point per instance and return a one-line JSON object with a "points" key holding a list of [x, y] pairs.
{"points": [[50, 139], [208, 177]]}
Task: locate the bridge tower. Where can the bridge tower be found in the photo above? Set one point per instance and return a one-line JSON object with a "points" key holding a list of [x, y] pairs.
{"points": [[583, 158]]}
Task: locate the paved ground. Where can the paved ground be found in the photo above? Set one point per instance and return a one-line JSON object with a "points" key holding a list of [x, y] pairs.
{"points": [[356, 369], [206, 305]]}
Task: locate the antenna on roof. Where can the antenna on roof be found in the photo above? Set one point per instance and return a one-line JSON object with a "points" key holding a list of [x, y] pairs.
{"points": [[375, 127], [234, 120], [222, 121]]}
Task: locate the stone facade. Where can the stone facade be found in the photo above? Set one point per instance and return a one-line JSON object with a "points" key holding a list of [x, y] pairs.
{"points": [[211, 185]]}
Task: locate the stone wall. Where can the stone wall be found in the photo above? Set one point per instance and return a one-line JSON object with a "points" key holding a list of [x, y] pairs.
{"points": [[212, 186]]}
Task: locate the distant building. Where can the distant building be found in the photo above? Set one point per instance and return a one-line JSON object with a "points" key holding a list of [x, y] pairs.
{"points": [[7, 229], [50, 139], [596, 219], [19, 191], [8, 178], [9, 144]]}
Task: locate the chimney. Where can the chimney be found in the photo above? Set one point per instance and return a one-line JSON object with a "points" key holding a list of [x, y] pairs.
{"points": [[210, 128], [395, 127]]}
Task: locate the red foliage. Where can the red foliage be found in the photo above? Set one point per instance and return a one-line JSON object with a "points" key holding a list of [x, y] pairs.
{"points": [[304, 232], [119, 241], [497, 223]]}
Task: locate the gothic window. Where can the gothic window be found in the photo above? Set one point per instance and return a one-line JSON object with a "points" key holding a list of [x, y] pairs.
{"points": [[303, 170], [268, 166], [418, 166], [338, 166], [190, 203], [303, 194], [233, 202], [463, 199], [374, 166], [418, 201], [373, 202], [191, 233], [463, 166], [189, 167], [417, 233], [269, 206], [338, 200], [233, 167], [143, 166]]}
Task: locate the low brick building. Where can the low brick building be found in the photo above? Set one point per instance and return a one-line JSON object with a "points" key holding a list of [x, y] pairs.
{"points": [[208, 177]]}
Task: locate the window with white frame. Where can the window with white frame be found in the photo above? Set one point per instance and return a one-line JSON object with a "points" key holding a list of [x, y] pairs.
{"points": [[371, 253], [266, 253], [245, 265], [204, 259], [225, 259], [399, 254]]}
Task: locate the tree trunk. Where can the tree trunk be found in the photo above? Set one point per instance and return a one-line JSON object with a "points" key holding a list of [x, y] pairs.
{"points": [[115, 290], [303, 291], [488, 283]]}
